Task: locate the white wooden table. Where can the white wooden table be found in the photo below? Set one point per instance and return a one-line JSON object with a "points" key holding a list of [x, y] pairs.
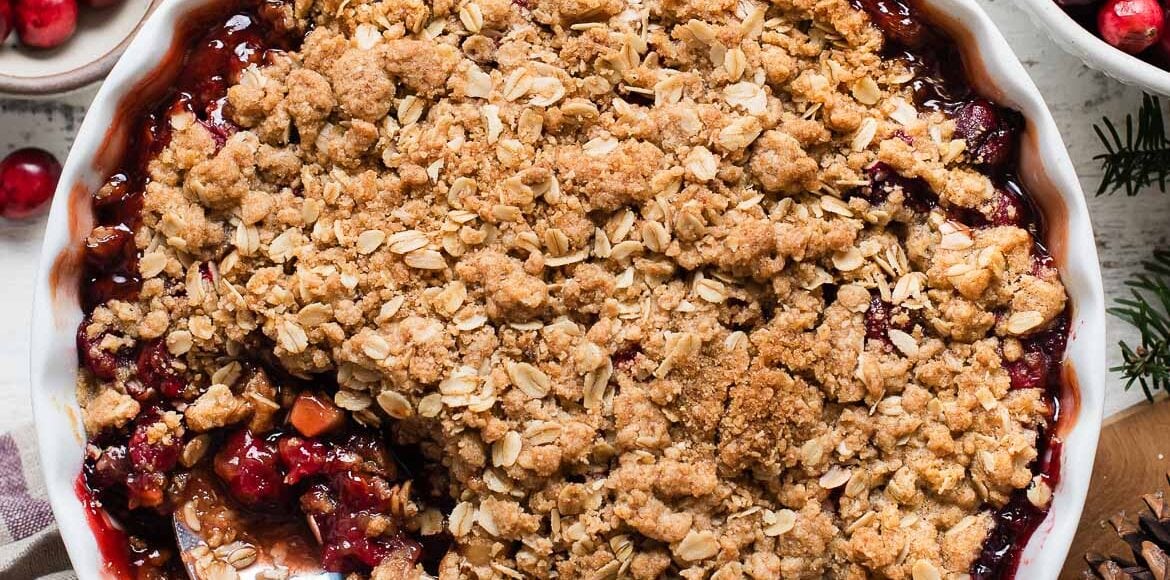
{"points": [[1127, 228]]}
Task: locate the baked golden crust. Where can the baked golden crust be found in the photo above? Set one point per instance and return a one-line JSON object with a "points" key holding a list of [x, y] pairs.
{"points": [[599, 259]]}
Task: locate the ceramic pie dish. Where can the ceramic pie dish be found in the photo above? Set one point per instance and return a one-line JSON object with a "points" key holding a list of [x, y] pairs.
{"points": [[1078, 41], [1043, 169]]}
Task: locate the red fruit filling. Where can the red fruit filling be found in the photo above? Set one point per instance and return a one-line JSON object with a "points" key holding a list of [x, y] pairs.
{"points": [[897, 21], [99, 361], [250, 468], [990, 137], [151, 450], [302, 458], [156, 370]]}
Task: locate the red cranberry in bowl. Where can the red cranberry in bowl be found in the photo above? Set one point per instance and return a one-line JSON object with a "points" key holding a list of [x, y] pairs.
{"points": [[250, 467], [45, 23], [5, 19], [1131, 25], [28, 178]]}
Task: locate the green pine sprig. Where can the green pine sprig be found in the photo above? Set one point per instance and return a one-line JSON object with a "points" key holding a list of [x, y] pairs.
{"points": [[1141, 158], [1147, 310]]}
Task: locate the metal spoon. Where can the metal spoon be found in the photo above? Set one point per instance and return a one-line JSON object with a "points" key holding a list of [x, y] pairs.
{"points": [[307, 567]]}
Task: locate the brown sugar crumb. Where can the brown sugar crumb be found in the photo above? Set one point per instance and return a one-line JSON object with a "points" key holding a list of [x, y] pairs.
{"points": [[606, 264]]}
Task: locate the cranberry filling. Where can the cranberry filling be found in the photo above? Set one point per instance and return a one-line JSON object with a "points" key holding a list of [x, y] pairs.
{"points": [[250, 467]]}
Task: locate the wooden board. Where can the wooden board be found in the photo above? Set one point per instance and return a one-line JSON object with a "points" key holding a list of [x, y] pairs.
{"points": [[1132, 459]]}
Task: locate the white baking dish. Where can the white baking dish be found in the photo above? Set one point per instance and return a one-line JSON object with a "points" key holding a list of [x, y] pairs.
{"points": [[1046, 170]]}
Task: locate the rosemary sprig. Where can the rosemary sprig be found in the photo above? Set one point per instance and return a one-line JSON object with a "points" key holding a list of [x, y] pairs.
{"points": [[1147, 310], [1141, 158]]}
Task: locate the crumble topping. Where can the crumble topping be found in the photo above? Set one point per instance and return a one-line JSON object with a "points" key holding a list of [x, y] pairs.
{"points": [[610, 265]]}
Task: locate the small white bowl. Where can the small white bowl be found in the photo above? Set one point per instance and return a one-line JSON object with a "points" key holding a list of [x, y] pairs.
{"points": [[102, 34], [1095, 52], [1045, 170]]}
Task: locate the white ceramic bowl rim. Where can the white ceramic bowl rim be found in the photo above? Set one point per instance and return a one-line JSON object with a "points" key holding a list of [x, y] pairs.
{"points": [[1044, 164], [1095, 52], [83, 72]]}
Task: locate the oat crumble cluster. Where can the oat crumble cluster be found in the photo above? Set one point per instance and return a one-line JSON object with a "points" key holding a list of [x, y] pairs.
{"points": [[605, 263]]}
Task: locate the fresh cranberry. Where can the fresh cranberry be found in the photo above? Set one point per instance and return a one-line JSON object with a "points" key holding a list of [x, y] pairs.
{"points": [[315, 414], [5, 19], [101, 362], [28, 178], [1131, 25], [895, 19], [250, 467], [149, 450], [302, 457], [156, 370], [108, 246], [45, 23]]}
